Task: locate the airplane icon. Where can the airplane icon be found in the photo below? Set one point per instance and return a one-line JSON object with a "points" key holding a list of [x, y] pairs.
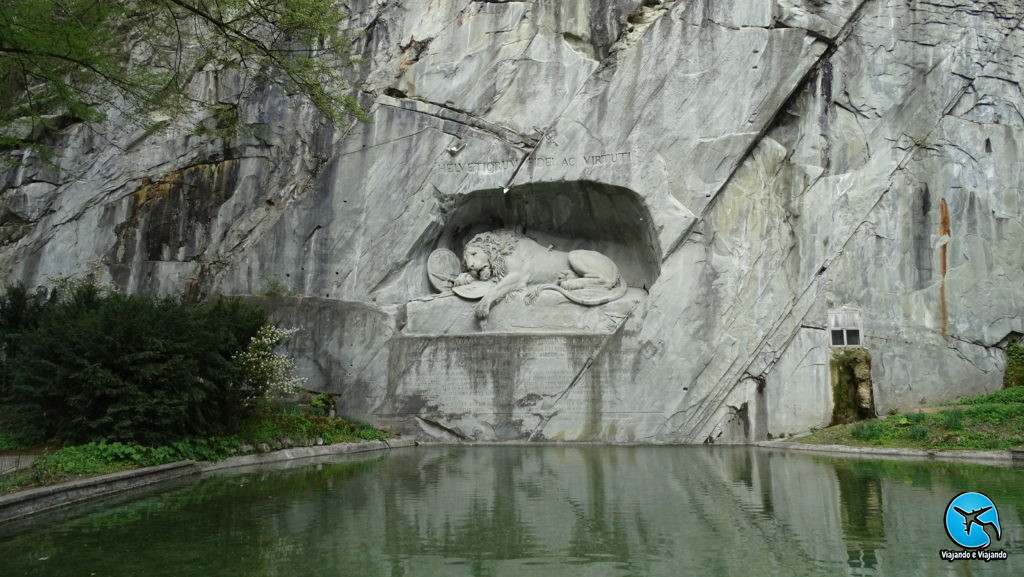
{"points": [[972, 518]]}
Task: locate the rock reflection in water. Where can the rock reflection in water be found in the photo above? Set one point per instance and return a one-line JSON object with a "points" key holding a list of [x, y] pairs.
{"points": [[544, 511]]}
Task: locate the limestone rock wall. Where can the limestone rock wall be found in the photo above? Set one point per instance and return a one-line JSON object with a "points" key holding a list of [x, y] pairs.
{"points": [[767, 161]]}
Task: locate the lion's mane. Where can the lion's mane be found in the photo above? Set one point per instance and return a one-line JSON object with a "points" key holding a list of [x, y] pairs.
{"points": [[496, 244]]}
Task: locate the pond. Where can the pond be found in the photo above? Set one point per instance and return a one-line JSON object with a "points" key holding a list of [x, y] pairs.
{"points": [[534, 510]]}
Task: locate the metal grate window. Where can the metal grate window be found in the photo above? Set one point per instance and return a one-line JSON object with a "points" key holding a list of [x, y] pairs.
{"points": [[845, 326]]}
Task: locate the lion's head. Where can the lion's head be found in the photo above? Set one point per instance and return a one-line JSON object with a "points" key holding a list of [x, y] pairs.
{"points": [[485, 253]]}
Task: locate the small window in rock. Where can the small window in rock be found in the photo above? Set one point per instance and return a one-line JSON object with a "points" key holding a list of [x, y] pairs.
{"points": [[845, 326]]}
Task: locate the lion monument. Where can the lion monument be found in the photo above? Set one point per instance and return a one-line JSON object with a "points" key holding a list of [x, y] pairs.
{"points": [[511, 261]]}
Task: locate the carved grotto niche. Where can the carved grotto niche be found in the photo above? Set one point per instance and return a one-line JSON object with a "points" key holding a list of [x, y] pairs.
{"points": [[521, 339], [539, 256]]}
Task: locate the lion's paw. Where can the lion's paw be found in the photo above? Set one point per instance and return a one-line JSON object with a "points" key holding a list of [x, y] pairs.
{"points": [[572, 284], [532, 294], [482, 310]]}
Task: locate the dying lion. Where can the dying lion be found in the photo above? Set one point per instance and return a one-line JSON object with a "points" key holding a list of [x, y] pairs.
{"points": [[518, 262]]}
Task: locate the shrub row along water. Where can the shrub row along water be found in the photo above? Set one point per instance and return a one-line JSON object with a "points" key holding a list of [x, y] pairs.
{"points": [[122, 381], [96, 364]]}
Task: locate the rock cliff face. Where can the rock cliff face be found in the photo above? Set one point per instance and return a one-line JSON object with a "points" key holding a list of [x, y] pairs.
{"points": [[751, 166]]}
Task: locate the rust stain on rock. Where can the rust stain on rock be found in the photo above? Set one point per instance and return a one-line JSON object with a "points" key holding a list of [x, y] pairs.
{"points": [[944, 238]]}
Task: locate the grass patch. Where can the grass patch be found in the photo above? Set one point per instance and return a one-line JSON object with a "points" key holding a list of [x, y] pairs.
{"points": [[1013, 395], [271, 425], [990, 422], [1014, 376], [953, 419], [275, 426], [866, 430]]}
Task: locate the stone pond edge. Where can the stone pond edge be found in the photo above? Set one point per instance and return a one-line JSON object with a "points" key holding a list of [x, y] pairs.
{"points": [[981, 457], [32, 501]]}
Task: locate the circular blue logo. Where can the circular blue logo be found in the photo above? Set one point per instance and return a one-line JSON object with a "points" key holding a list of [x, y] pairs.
{"points": [[967, 517]]}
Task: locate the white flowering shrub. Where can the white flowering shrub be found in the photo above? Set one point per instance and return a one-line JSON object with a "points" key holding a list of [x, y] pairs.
{"points": [[264, 372]]}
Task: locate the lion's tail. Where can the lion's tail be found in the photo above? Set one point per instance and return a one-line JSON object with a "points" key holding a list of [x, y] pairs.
{"points": [[615, 294]]}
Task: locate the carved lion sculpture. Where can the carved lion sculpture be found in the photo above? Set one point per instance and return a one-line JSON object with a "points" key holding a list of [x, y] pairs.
{"points": [[518, 262]]}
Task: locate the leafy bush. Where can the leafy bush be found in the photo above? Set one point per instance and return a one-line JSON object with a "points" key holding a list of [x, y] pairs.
{"points": [[953, 419], [263, 372], [99, 458], [917, 432], [272, 424], [101, 365], [867, 430], [915, 417], [7, 442], [368, 433], [322, 404], [19, 314]]}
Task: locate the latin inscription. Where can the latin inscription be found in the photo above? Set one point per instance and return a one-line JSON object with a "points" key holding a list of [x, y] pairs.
{"points": [[510, 164], [485, 375]]}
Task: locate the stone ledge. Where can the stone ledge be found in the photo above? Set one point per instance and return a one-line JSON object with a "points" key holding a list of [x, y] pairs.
{"points": [[304, 453], [31, 501], [983, 457]]}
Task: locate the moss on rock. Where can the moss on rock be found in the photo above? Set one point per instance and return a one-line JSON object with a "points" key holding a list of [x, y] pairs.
{"points": [[852, 395]]}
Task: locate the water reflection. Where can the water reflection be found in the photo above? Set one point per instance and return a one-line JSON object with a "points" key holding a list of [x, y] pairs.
{"points": [[860, 508], [545, 511]]}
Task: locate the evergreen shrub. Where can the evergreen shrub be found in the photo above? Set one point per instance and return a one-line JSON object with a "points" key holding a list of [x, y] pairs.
{"points": [[95, 364]]}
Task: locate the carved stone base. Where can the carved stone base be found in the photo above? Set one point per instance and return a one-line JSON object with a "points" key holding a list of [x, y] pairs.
{"points": [[511, 387], [447, 314]]}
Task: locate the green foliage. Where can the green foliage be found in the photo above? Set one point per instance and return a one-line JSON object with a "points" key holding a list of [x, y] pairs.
{"points": [[1014, 376], [99, 365], [990, 422], [321, 404], [19, 314], [1005, 396], [368, 433], [224, 123], [8, 442], [64, 60], [272, 424], [275, 286], [953, 419], [847, 369], [866, 430], [265, 373], [995, 414], [917, 432], [101, 457], [915, 417]]}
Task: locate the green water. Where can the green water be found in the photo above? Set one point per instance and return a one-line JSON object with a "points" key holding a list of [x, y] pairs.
{"points": [[532, 511]]}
